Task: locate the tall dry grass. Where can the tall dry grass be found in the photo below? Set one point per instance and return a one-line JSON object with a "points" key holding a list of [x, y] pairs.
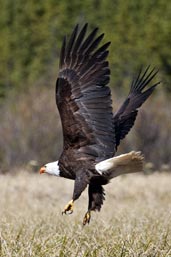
{"points": [[134, 221]]}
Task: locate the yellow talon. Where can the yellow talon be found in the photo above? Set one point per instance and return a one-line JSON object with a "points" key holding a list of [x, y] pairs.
{"points": [[69, 208], [87, 218]]}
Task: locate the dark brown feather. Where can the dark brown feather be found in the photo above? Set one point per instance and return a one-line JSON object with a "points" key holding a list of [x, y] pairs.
{"points": [[125, 116], [96, 196], [84, 99]]}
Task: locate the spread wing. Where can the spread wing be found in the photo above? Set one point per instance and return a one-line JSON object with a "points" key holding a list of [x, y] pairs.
{"points": [[125, 116], [83, 97]]}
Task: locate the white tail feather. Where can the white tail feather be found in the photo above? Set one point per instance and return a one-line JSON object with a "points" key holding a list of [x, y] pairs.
{"points": [[126, 163]]}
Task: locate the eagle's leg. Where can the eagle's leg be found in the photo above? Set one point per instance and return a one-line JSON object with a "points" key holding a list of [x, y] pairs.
{"points": [[68, 209], [79, 187], [87, 217], [96, 197]]}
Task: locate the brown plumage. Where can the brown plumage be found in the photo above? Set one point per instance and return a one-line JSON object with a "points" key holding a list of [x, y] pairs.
{"points": [[91, 132]]}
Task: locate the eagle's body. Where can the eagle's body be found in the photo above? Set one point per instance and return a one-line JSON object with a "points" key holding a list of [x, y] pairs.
{"points": [[91, 132]]}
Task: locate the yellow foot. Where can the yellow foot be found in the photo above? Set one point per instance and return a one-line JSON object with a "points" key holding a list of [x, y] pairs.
{"points": [[69, 208], [87, 218]]}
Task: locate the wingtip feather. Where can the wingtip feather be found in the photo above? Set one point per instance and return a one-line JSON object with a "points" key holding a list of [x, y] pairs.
{"points": [[143, 79]]}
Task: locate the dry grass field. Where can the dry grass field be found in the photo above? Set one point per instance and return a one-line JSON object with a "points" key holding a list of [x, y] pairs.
{"points": [[134, 221]]}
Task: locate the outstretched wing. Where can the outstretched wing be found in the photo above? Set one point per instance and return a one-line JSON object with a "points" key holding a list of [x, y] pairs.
{"points": [[83, 97], [125, 116]]}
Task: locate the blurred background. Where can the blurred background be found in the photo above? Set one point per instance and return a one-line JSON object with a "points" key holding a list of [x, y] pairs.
{"points": [[31, 33]]}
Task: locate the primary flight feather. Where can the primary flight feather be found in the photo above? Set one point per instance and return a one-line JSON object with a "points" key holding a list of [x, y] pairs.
{"points": [[91, 131]]}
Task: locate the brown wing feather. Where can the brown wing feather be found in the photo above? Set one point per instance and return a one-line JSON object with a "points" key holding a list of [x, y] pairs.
{"points": [[125, 116], [84, 99]]}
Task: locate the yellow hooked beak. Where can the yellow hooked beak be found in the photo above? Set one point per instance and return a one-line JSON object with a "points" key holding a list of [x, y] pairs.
{"points": [[42, 170]]}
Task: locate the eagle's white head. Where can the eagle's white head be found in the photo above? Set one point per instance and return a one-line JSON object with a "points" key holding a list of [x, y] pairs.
{"points": [[51, 168]]}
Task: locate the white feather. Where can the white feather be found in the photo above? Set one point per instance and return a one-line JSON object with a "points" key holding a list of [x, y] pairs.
{"points": [[122, 164], [52, 168]]}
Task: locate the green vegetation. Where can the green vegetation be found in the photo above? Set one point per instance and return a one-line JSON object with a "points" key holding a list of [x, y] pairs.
{"points": [[134, 221], [31, 33]]}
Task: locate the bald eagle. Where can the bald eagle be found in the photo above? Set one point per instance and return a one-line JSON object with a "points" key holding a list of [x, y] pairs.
{"points": [[91, 131]]}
